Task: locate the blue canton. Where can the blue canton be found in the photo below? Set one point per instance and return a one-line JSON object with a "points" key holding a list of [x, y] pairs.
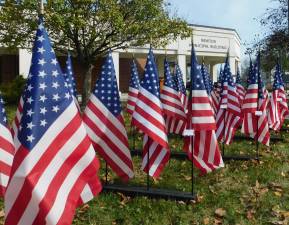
{"points": [[196, 75], [206, 78], [69, 76], [3, 117], [106, 89], [179, 79], [150, 81], [238, 77], [278, 82], [169, 81], [46, 95], [134, 78]]}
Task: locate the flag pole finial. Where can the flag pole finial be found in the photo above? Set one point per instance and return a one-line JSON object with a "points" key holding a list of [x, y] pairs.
{"points": [[41, 7]]}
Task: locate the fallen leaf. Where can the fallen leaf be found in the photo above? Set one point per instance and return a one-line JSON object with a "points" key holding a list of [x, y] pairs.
{"points": [[220, 212], [278, 194], [206, 221], [250, 214], [2, 213], [218, 221]]}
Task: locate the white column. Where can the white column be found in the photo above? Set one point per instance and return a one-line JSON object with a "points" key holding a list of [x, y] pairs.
{"points": [[183, 66], [24, 62], [232, 62], [160, 63], [115, 57], [214, 72]]}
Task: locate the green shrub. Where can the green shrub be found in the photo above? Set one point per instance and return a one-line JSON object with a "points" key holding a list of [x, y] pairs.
{"points": [[12, 91]]}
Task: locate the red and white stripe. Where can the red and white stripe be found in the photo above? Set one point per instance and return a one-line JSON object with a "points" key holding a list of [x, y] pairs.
{"points": [[109, 137], [90, 188], [228, 118], [207, 156], [174, 110], [132, 98], [148, 117], [7, 151], [42, 175], [241, 92], [203, 116], [277, 109], [257, 126], [156, 155], [251, 98]]}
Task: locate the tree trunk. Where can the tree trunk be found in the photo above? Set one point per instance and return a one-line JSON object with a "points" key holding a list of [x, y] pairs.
{"points": [[86, 88]]}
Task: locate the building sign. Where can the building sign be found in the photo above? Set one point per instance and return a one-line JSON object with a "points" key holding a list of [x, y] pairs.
{"points": [[211, 44]]}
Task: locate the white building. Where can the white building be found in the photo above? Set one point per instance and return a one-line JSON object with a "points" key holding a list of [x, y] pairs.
{"points": [[211, 45]]}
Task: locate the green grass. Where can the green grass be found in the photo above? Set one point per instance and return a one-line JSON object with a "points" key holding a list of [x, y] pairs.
{"points": [[249, 192]]}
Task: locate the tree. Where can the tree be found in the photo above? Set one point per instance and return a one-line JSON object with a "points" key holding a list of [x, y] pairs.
{"points": [[275, 44], [92, 27]]}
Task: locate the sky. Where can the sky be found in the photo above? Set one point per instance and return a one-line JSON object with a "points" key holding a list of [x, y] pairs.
{"points": [[242, 15]]}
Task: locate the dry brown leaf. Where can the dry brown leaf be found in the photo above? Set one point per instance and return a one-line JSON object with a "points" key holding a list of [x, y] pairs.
{"points": [[250, 214], [206, 221], [2, 213], [218, 221], [278, 194], [220, 212]]}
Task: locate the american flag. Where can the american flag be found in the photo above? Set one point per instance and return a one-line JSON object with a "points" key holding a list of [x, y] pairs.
{"points": [[7, 149], [133, 88], [105, 124], [148, 117], [240, 89], [69, 78], [205, 153], [228, 117], [181, 86], [277, 108], [255, 102], [55, 160], [172, 105], [215, 94]]}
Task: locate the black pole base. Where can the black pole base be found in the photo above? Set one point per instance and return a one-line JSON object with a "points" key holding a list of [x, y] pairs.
{"points": [[174, 155], [239, 158], [156, 193]]}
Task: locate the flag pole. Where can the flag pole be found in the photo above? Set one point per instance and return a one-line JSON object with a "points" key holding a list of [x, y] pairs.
{"points": [[257, 121], [190, 114], [41, 5]]}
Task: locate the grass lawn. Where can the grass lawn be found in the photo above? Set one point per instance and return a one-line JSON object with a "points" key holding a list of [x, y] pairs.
{"points": [[240, 193]]}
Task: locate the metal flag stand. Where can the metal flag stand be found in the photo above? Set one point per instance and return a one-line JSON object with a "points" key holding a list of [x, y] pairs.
{"points": [[147, 190]]}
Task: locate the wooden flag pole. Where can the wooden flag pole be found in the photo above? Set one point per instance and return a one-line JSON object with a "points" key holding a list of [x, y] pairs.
{"points": [[148, 163], [41, 3]]}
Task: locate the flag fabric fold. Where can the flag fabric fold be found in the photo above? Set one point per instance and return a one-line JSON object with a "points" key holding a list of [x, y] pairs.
{"points": [[204, 151], [55, 164], [240, 89], [7, 149], [173, 108], [255, 122], [229, 116], [133, 88], [277, 108], [105, 124], [148, 117]]}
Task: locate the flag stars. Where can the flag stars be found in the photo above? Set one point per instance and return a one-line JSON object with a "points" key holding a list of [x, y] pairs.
{"points": [[56, 97], [55, 85], [29, 100], [41, 62], [55, 73], [40, 38], [42, 74], [54, 61], [29, 88], [43, 110], [30, 138], [41, 50], [55, 108], [29, 112], [43, 123], [42, 86], [67, 95], [30, 125], [42, 98]]}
